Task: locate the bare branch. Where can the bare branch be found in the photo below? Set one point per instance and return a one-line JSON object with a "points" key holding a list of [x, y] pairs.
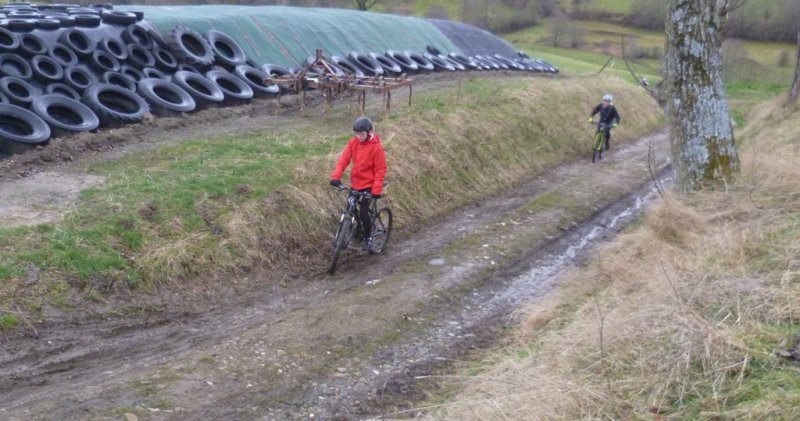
{"points": [[640, 80]]}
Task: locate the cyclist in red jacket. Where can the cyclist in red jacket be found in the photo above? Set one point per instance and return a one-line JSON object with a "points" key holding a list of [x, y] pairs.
{"points": [[366, 154]]}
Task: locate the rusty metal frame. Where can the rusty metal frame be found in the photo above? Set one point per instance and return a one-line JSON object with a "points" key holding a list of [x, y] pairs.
{"points": [[330, 84]]}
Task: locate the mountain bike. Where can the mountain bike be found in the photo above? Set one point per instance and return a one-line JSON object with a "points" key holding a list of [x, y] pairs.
{"points": [[350, 231], [600, 141]]}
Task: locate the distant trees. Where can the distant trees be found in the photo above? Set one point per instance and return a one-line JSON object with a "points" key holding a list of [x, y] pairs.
{"points": [[364, 4], [761, 20], [505, 15]]}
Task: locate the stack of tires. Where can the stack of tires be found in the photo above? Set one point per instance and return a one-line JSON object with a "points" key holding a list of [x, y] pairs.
{"points": [[66, 69], [395, 63]]}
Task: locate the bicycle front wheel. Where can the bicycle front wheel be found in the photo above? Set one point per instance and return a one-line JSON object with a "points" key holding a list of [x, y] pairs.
{"points": [[597, 150], [341, 240], [381, 229]]}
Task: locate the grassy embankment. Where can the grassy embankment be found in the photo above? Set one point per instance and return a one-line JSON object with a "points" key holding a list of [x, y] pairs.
{"points": [[681, 317], [182, 216]]}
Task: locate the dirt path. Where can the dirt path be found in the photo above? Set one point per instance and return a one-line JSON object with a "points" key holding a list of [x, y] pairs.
{"points": [[359, 344]]}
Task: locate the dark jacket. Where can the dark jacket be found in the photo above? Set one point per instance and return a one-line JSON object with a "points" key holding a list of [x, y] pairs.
{"points": [[608, 115]]}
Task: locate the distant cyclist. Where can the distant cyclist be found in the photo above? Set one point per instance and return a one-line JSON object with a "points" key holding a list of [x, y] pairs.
{"points": [[608, 116], [366, 154]]}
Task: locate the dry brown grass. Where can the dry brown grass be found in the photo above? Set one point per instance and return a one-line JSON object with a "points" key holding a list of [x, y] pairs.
{"points": [[693, 306]]}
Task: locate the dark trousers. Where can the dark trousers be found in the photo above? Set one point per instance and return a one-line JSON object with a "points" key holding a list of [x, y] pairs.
{"points": [[363, 213]]}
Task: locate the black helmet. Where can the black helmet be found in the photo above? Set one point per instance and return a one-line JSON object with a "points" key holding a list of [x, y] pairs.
{"points": [[362, 124]]}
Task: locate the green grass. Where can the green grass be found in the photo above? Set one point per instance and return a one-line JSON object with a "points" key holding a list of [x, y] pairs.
{"points": [[153, 194], [8, 321]]}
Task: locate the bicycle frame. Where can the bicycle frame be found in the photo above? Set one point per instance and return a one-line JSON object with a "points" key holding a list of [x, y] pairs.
{"points": [[598, 141]]}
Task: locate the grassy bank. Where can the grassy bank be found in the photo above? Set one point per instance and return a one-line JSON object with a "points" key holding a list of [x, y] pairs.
{"points": [[682, 317], [182, 216]]}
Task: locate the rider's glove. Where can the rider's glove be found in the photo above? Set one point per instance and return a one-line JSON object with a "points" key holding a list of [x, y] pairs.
{"points": [[614, 126], [591, 119], [335, 183]]}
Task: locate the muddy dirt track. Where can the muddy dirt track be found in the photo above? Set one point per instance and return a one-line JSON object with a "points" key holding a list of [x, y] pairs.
{"points": [[368, 342]]}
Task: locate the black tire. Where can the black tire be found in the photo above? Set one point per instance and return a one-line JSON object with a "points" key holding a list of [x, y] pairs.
{"points": [[79, 77], [117, 17], [493, 64], [18, 91], [255, 78], [46, 70], [464, 60], [64, 115], [275, 70], [188, 46], [119, 79], [87, 20], [183, 67], [157, 38], [227, 52], [114, 105], [367, 63], [433, 50], [77, 11], [165, 60], [78, 41], [132, 72], [438, 63], [139, 56], [113, 46], [406, 63], [389, 66], [20, 25], [103, 61], [9, 41], [47, 24], [236, 90], [165, 98], [347, 66], [63, 55], [14, 65], [381, 230], [204, 91], [62, 89], [31, 45], [456, 65], [343, 233], [151, 72], [22, 128], [422, 63], [64, 20], [136, 34], [512, 64]]}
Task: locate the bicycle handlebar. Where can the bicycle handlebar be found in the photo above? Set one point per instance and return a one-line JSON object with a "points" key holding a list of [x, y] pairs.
{"points": [[343, 187]]}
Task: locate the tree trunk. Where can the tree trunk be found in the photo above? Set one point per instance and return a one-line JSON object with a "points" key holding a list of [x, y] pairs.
{"points": [[796, 83], [701, 133]]}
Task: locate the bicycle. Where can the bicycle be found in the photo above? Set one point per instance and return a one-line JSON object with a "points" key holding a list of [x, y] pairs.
{"points": [[349, 228], [600, 141]]}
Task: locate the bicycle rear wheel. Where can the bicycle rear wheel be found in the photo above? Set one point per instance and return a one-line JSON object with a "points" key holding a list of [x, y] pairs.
{"points": [[340, 241], [597, 150], [381, 229]]}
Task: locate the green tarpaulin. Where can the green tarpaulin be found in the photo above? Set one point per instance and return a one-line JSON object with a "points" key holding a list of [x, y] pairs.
{"points": [[288, 35]]}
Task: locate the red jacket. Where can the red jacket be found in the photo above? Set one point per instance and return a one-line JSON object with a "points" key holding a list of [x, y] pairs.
{"points": [[369, 164]]}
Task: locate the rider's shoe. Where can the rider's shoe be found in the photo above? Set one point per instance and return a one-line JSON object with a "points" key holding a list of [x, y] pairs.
{"points": [[368, 245]]}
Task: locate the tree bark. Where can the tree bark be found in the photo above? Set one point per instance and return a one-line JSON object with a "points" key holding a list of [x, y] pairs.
{"points": [[796, 83], [701, 132]]}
